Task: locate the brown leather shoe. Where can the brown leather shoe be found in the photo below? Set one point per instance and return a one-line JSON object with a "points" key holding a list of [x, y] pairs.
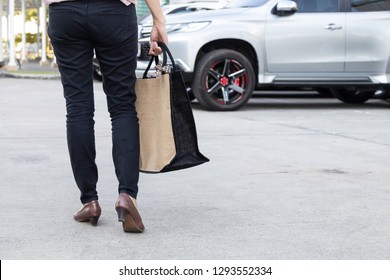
{"points": [[89, 212], [128, 214]]}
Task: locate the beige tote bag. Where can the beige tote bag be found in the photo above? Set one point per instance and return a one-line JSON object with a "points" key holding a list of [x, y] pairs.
{"points": [[154, 114], [168, 139]]}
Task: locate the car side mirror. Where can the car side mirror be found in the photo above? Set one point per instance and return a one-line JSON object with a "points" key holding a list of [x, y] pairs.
{"points": [[285, 8]]}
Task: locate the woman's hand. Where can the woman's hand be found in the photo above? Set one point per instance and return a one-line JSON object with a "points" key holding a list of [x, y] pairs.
{"points": [[158, 34]]}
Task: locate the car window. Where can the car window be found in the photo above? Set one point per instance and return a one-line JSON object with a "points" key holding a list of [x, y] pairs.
{"points": [[370, 5], [317, 6]]}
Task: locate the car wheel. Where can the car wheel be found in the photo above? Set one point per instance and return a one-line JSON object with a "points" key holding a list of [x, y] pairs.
{"points": [[352, 96], [325, 92], [224, 80]]}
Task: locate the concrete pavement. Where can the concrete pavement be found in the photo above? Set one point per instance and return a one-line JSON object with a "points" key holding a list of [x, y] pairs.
{"points": [[32, 70], [289, 178]]}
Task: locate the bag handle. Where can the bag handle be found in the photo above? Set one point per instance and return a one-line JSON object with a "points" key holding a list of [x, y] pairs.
{"points": [[165, 52]]}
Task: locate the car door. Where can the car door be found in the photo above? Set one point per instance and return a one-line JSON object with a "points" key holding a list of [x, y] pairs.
{"points": [[310, 40], [368, 35]]}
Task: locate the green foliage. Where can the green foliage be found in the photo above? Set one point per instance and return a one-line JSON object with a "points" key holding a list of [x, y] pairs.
{"points": [[32, 15], [30, 38]]}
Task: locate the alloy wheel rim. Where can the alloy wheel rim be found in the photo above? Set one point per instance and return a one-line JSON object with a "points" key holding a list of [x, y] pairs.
{"points": [[226, 81]]}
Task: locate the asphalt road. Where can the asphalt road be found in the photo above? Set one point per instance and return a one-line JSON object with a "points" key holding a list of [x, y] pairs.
{"points": [[289, 178]]}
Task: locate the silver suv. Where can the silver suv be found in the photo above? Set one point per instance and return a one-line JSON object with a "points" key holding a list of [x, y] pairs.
{"points": [[340, 46]]}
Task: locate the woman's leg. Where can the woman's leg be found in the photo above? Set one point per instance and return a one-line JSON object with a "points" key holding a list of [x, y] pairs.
{"points": [[74, 52], [116, 50]]}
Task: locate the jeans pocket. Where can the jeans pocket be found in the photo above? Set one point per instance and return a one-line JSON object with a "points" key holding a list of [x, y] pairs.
{"points": [[61, 23], [117, 24]]}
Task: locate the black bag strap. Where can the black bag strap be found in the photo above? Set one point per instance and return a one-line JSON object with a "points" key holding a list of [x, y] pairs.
{"points": [[165, 52], [155, 58]]}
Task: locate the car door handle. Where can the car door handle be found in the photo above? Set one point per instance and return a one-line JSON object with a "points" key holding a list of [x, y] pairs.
{"points": [[332, 26]]}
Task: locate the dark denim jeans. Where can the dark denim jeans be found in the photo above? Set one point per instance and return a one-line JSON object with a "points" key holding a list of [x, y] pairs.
{"points": [[108, 27]]}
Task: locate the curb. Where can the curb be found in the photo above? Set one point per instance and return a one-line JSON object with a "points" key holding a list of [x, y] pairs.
{"points": [[30, 76]]}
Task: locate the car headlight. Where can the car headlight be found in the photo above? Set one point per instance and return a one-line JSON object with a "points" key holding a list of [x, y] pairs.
{"points": [[187, 27], [175, 27]]}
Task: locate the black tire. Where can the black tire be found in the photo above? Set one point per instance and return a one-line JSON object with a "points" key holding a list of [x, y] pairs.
{"points": [[325, 92], [353, 96], [224, 80]]}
